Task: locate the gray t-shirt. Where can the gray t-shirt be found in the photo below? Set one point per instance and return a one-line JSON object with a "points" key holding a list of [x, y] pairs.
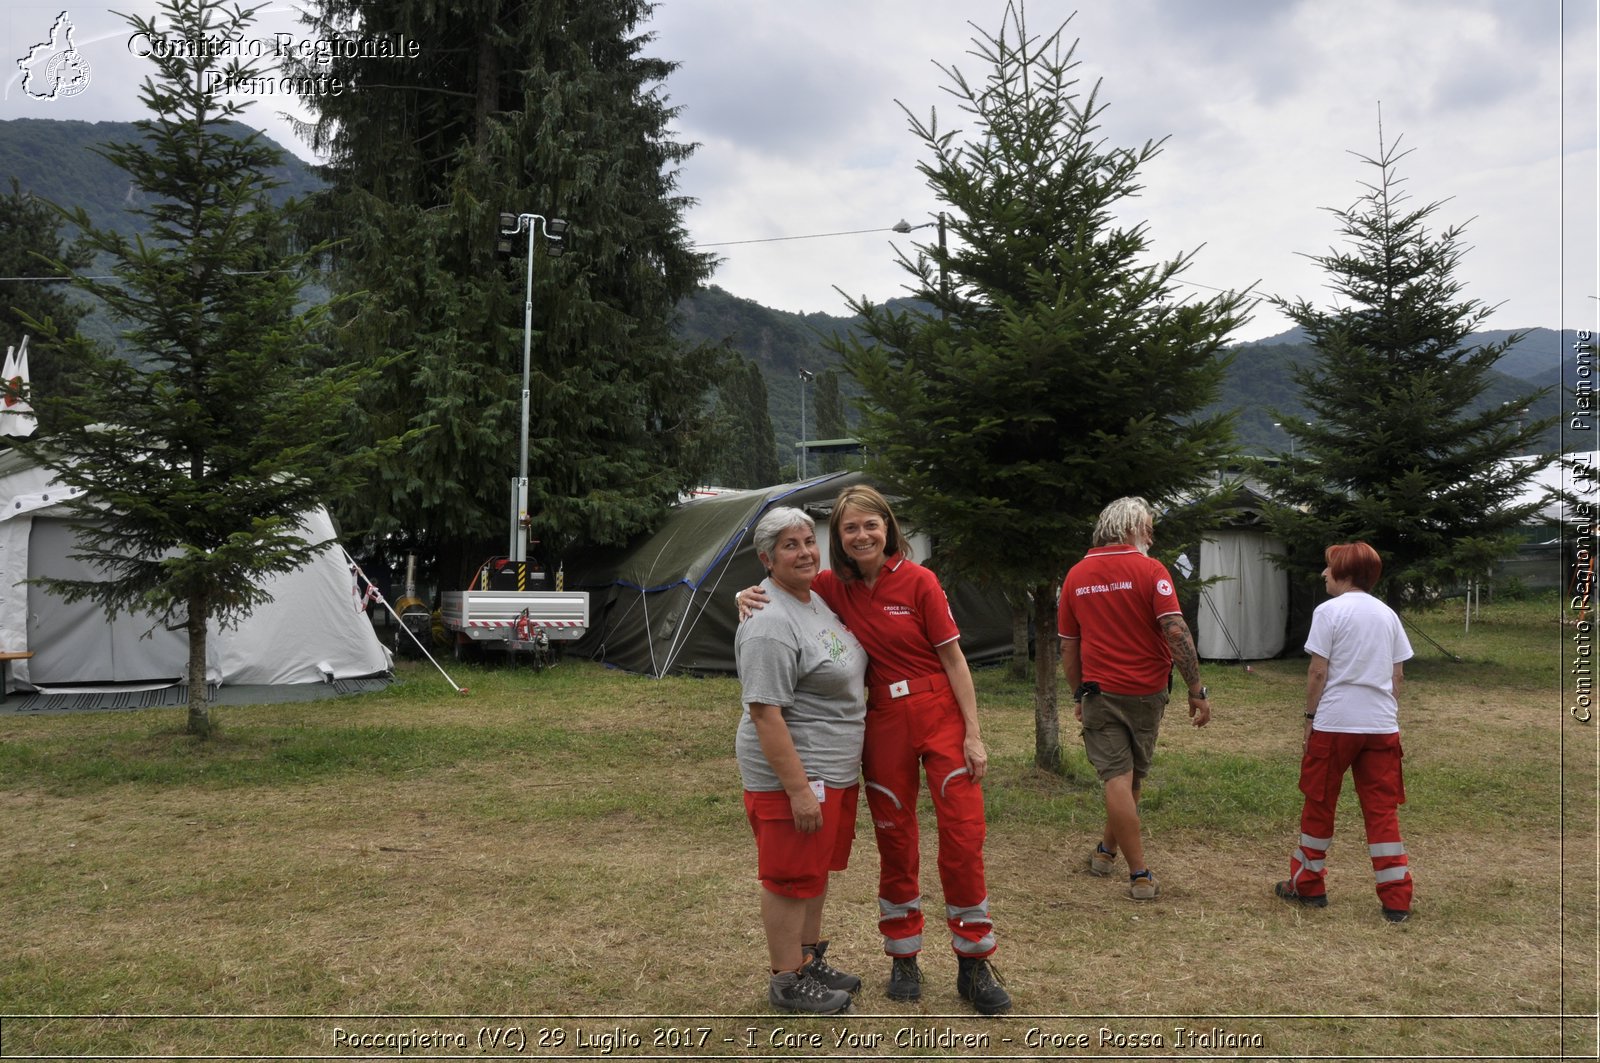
{"points": [[800, 657]]}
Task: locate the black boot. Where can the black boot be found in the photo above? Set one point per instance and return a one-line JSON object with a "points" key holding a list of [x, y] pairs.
{"points": [[978, 984], [905, 979]]}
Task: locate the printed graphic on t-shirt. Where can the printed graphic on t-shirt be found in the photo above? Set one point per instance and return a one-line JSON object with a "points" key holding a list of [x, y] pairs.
{"points": [[832, 644]]}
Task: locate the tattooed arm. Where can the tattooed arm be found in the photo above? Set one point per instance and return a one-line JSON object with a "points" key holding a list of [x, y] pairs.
{"points": [[1187, 662]]}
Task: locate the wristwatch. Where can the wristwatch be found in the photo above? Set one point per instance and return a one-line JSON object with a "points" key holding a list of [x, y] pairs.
{"points": [[1204, 695]]}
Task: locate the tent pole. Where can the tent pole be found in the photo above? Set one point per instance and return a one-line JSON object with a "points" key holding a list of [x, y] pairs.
{"points": [[376, 594]]}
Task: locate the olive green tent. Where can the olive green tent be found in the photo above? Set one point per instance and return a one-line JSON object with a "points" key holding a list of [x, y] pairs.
{"points": [[664, 603]]}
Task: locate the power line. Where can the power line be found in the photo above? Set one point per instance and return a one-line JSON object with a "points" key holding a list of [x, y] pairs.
{"points": [[808, 236]]}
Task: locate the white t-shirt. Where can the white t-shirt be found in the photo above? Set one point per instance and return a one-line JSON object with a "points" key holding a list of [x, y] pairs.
{"points": [[1363, 640]]}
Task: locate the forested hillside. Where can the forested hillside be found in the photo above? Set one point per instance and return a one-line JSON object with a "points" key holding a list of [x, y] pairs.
{"points": [[55, 159]]}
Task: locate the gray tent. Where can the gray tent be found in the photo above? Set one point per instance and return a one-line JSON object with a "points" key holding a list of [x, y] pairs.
{"points": [[1244, 614], [664, 603], [313, 630]]}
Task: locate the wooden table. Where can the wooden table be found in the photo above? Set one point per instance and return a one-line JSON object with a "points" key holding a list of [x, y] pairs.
{"points": [[6, 657]]}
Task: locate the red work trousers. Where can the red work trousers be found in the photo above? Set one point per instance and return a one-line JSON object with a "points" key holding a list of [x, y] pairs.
{"points": [[905, 736], [1374, 762]]}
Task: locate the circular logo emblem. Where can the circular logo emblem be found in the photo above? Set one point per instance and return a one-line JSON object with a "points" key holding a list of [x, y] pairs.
{"points": [[1163, 586], [67, 74]]}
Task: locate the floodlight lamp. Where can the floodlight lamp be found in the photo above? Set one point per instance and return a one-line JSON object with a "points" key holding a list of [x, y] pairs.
{"points": [[510, 224], [555, 228]]}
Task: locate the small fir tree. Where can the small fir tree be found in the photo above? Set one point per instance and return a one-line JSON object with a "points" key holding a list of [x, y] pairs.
{"points": [[1398, 449], [199, 462], [1060, 370]]}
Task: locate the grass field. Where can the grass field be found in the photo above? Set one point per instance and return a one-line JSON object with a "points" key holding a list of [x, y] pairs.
{"points": [[557, 866]]}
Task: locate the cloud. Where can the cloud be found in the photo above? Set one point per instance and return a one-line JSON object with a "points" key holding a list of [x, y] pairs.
{"points": [[797, 108]]}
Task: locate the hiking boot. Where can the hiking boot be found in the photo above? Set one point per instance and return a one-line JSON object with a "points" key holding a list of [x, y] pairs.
{"points": [[1143, 886], [1100, 861], [905, 979], [822, 971], [979, 985], [1397, 915], [797, 991], [1286, 891]]}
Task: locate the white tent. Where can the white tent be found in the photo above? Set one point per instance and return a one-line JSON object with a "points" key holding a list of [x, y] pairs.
{"points": [[1244, 615], [314, 629]]}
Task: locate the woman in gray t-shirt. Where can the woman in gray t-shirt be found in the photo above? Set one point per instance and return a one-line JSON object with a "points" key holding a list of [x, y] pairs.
{"points": [[799, 753]]}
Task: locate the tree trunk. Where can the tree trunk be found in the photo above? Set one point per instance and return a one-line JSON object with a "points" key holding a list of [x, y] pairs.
{"points": [[199, 704], [1019, 636], [488, 97], [1046, 663]]}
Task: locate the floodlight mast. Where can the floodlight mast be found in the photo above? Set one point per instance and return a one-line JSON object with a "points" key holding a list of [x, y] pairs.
{"points": [[554, 230]]}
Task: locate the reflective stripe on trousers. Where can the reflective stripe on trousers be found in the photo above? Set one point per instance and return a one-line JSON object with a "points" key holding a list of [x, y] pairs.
{"points": [[905, 737], [1374, 762]]}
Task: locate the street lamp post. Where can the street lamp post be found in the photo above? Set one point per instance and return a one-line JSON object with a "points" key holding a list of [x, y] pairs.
{"points": [[1285, 430], [806, 377], [555, 230], [902, 226]]}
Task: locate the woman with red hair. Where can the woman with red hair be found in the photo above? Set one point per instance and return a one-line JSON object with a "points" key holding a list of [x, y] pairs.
{"points": [[1357, 646]]}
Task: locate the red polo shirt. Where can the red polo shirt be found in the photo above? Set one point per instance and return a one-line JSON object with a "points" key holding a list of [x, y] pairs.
{"points": [[1112, 602], [900, 620]]}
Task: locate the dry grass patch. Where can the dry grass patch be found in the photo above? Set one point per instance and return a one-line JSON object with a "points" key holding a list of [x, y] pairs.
{"points": [[573, 844]]}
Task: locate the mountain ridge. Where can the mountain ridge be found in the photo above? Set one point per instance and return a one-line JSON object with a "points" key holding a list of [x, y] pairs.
{"points": [[55, 159]]}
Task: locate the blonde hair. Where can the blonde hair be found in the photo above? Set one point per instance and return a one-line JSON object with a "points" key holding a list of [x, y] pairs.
{"points": [[1122, 520], [868, 500]]}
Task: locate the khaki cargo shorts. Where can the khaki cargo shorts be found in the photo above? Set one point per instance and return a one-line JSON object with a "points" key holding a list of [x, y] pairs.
{"points": [[1119, 732]]}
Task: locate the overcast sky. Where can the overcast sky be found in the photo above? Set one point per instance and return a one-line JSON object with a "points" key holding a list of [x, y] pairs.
{"points": [[796, 108]]}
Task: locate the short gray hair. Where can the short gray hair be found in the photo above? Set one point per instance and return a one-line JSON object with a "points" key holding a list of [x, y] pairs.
{"points": [[1122, 519], [777, 521]]}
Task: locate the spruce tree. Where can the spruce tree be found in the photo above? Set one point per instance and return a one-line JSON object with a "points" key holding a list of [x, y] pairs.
{"points": [[1060, 369], [1398, 449], [198, 461], [551, 109]]}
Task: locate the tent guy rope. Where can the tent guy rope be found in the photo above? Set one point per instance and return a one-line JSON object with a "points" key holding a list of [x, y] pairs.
{"points": [[376, 595]]}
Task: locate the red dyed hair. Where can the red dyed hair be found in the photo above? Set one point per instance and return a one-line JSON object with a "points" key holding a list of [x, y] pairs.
{"points": [[1356, 562]]}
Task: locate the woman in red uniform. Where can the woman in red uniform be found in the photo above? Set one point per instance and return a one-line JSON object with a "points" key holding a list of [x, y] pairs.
{"points": [[1358, 649], [922, 716]]}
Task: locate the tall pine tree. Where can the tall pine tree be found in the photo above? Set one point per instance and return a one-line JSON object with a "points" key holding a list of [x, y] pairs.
{"points": [[1398, 449], [199, 462], [748, 456], [1061, 370], [831, 422], [551, 109]]}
